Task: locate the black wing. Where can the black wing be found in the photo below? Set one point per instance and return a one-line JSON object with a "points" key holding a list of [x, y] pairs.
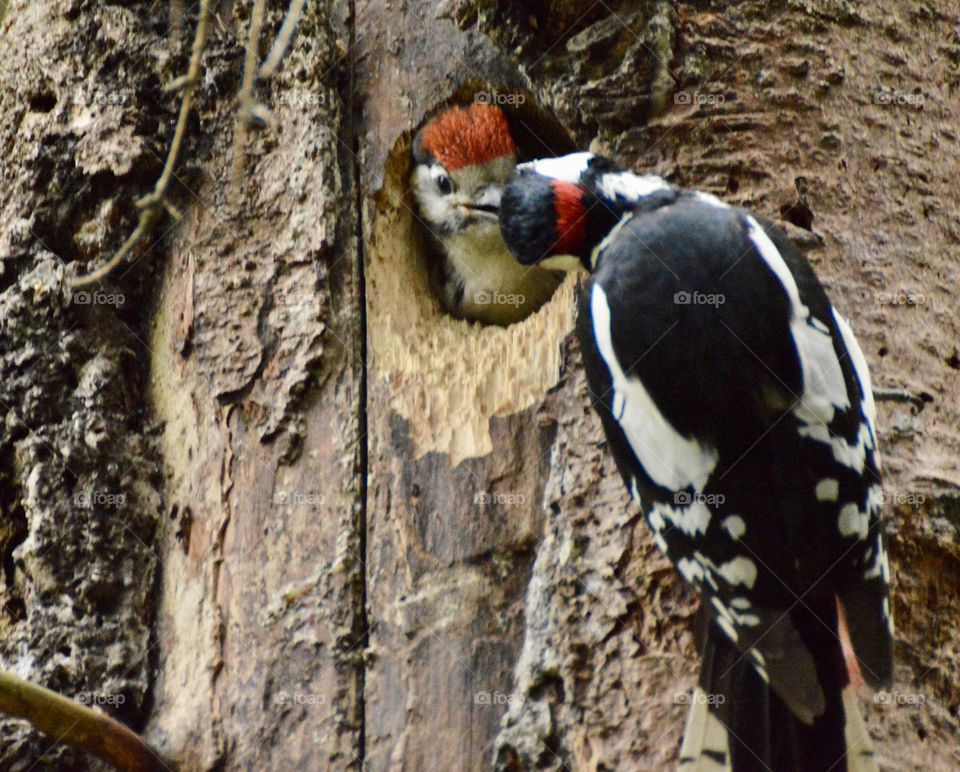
{"points": [[738, 407]]}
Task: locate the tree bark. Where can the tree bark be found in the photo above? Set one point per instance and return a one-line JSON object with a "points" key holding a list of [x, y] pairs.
{"points": [[262, 501]]}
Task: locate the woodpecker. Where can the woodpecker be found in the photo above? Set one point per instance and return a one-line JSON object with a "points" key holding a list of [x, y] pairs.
{"points": [[463, 158], [737, 405]]}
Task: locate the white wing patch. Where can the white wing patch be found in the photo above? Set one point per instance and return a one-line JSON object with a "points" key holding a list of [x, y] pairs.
{"points": [[566, 168], [724, 618], [657, 523], [853, 456], [693, 520], [824, 389], [853, 522], [669, 459], [759, 664], [735, 526], [881, 566], [828, 489], [691, 570], [740, 570]]}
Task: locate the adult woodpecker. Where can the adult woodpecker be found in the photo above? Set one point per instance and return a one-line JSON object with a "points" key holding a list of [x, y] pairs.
{"points": [[463, 158], [738, 407]]}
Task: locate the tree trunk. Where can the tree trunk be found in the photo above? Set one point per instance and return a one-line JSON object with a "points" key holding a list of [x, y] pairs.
{"points": [[264, 502]]}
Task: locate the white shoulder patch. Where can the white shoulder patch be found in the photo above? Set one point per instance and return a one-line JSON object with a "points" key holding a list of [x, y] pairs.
{"points": [[566, 168], [669, 459], [860, 368], [709, 198], [824, 389], [853, 455], [630, 186]]}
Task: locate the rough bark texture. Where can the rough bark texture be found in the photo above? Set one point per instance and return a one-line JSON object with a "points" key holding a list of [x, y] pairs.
{"points": [[256, 375], [271, 507], [230, 380], [79, 475]]}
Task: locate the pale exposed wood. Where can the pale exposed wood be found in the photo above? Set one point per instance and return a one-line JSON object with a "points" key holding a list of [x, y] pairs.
{"points": [[448, 377]]}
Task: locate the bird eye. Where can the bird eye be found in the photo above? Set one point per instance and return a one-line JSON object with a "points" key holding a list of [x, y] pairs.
{"points": [[444, 185]]}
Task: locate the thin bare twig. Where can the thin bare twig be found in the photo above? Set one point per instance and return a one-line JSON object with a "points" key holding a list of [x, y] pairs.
{"points": [[248, 108], [899, 395], [67, 721], [153, 203], [284, 36]]}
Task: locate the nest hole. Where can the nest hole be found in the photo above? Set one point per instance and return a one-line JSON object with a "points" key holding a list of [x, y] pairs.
{"points": [[448, 377]]}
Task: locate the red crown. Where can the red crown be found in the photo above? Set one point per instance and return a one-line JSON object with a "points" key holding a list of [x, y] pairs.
{"points": [[461, 136]]}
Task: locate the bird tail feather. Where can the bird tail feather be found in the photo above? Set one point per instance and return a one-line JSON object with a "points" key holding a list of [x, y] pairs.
{"points": [[737, 722]]}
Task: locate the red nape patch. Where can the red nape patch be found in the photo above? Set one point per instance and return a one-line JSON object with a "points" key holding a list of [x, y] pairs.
{"points": [[571, 218], [462, 136]]}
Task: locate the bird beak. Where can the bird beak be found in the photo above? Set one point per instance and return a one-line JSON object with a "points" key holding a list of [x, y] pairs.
{"points": [[486, 205]]}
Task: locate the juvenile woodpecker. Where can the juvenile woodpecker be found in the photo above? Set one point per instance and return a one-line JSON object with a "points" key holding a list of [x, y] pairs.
{"points": [[738, 408], [463, 158]]}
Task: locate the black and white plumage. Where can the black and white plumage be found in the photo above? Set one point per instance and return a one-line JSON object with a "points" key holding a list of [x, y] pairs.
{"points": [[738, 407]]}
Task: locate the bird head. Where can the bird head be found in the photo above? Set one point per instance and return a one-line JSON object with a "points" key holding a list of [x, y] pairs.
{"points": [[556, 211], [463, 159]]}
